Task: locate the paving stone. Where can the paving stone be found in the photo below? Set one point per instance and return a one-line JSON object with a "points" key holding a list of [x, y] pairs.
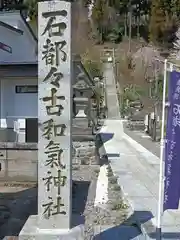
{"points": [[167, 232], [111, 92], [153, 147], [116, 233], [133, 187]]}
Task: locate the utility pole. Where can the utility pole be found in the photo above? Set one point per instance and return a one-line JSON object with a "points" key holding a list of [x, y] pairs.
{"points": [[130, 24]]}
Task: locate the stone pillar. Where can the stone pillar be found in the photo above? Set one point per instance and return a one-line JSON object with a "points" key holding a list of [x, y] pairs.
{"points": [[55, 125]]}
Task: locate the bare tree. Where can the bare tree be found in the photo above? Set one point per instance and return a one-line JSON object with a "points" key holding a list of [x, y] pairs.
{"points": [[176, 44]]}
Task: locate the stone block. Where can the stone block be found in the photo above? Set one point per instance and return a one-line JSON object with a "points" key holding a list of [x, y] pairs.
{"points": [[2, 154], [22, 165], [22, 155], [167, 232], [2, 163], [31, 232], [3, 168], [11, 238], [17, 145]]}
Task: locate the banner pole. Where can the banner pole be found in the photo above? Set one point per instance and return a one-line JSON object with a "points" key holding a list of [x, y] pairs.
{"points": [[161, 170]]}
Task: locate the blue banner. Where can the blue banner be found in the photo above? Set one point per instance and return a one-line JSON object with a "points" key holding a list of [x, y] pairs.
{"points": [[172, 147]]}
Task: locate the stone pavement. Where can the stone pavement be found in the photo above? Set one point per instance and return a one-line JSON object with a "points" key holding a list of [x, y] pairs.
{"points": [[143, 139], [111, 93], [118, 232], [135, 161], [137, 173], [114, 113]]}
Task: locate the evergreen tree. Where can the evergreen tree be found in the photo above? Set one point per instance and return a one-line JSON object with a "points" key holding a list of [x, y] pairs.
{"points": [[163, 24], [122, 8], [156, 21], [175, 7], [9, 5], [177, 45], [141, 9], [32, 9], [99, 17]]}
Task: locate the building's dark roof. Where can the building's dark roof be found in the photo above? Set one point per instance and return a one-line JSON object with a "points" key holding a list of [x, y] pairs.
{"points": [[87, 74], [79, 68], [3, 24], [19, 70]]}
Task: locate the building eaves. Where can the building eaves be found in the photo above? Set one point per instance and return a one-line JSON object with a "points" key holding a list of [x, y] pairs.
{"points": [[86, 73], [28, 27], [17, 63], [18, 70], [5, 25]]}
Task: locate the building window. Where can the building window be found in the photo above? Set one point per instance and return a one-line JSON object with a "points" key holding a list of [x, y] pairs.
{"points": [[26, 89]]}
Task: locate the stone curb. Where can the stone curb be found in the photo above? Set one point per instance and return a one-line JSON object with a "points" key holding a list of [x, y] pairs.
{"points": [[142, 150]]}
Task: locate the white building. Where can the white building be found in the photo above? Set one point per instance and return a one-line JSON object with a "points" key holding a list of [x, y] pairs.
{"points": [[18, 79]]}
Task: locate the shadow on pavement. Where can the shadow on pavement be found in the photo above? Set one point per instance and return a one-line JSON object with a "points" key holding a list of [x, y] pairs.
{"points": [[15, 208], [119, 232], [131, 229], [19, 206], [113, 155], [127, 230], [102, 138], [79, 199]]}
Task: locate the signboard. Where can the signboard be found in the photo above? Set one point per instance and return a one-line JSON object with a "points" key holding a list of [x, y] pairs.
{"points": [[172, 148], [55, 143]]}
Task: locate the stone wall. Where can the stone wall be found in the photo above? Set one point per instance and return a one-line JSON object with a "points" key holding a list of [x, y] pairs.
{"points": [[18, 162], [84, 153], [7, 135]]}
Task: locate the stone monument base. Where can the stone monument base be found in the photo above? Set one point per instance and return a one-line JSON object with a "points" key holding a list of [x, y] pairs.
{"points": [[31, 232]]}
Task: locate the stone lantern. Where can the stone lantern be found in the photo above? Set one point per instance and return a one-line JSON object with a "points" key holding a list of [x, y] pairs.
{"points": [[83, 90]]}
